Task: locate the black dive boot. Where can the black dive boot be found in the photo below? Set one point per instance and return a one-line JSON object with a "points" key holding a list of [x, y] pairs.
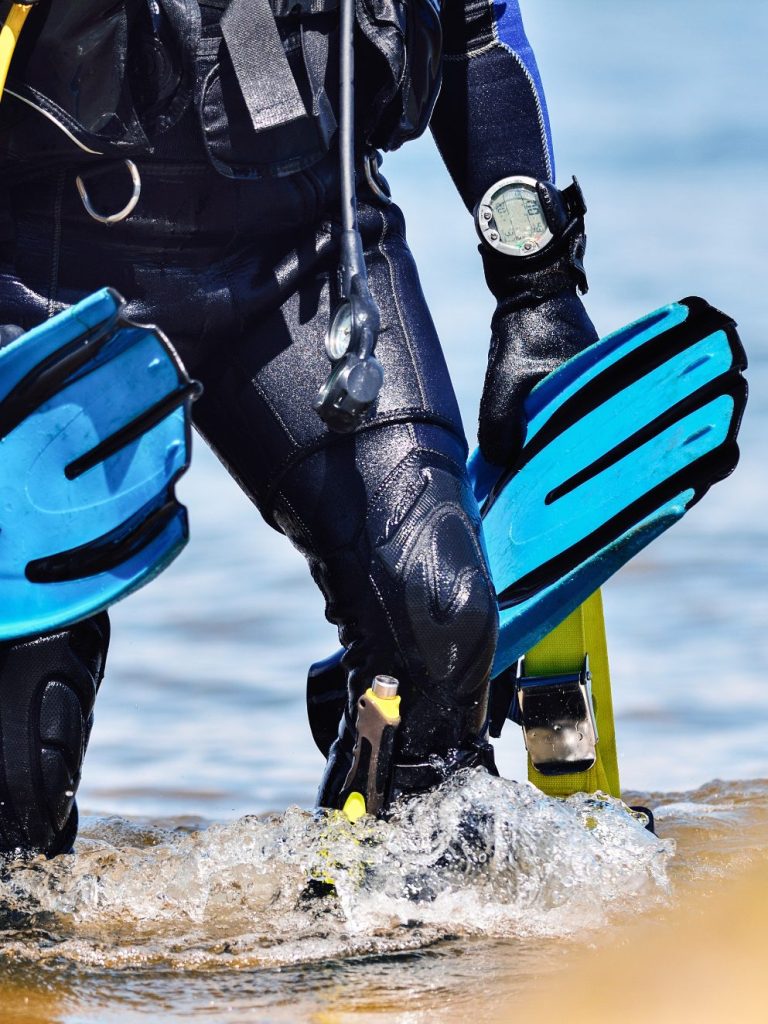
{"points": [[48, 686], [431, 742], [436, 740]]}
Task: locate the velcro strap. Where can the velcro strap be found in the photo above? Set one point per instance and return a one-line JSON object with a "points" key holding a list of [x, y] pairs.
{"points": [[574, 200], [285, 8], [261, 66]]}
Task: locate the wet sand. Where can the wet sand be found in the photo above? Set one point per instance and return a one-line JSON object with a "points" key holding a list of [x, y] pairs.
{"points": [[702, 959]]}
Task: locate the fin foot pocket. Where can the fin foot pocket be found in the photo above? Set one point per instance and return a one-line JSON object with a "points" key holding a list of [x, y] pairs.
{"points": [[48, 688]]}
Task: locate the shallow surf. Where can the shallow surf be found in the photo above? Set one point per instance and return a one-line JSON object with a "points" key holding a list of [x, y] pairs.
{"points": [[482, 892]]}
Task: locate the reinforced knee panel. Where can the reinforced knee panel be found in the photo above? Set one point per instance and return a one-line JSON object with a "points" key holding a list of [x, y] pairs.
{"points": [[432, 552], [443, 606], [425, 612], [48, 687]]}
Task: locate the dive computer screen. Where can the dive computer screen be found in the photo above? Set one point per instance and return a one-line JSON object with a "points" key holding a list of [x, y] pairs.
{"points": [[510, 218]]}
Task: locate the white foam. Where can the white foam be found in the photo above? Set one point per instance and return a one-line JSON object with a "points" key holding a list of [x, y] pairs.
{"points": [[480, 856]]}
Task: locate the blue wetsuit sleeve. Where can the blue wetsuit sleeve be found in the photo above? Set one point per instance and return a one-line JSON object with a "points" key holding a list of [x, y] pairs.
{"points": [[491, 118]]}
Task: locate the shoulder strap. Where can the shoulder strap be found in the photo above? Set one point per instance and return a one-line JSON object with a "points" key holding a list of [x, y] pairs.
{"points": [[263, 73]]}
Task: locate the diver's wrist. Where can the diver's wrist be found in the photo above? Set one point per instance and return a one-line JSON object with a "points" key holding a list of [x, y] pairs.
{"points": [[527, 225]]}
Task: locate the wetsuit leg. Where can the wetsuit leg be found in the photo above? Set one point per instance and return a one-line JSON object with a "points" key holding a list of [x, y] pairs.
{"points": [[385, 518], [48, 686], [396, 552], [48, 683]]}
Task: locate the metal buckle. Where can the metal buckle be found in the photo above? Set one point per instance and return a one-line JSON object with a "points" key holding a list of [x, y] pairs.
{"points": [[377, 183], [127, 210], [558, 720]]}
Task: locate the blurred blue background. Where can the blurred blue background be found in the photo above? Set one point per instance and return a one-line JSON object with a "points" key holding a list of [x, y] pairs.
{"points": [[659, 108]]}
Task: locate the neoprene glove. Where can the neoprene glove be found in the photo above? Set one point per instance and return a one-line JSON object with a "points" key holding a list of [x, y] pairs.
{"points": [[539, 323]]}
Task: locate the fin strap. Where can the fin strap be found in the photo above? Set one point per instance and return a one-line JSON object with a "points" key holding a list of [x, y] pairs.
{"points": [[563, 650]]}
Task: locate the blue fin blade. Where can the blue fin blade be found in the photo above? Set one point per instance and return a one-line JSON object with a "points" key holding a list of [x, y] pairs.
{"points": [[563, 384], [540, 515], [87, 508], [620, 442], [91, 318], [523, 625]]}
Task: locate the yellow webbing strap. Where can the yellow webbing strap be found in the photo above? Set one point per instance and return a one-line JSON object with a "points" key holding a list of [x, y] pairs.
{"points": [[563, 650], [9, 36]]}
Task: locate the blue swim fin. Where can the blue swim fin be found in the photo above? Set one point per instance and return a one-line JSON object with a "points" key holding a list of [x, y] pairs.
{"points": [[621, 441], [94, 433]]}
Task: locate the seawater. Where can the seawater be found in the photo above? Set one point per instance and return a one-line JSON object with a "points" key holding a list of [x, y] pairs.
{"points": [[187, 896], [478, 899]]}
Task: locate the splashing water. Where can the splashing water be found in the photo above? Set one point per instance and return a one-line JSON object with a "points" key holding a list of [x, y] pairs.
{"points": [[478, 857]]}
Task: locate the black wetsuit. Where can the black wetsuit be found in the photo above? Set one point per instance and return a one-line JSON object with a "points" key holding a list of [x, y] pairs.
{"points": [[241, 275]]}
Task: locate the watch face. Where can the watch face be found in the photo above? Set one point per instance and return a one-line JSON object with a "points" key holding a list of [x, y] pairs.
{"points": [[510, 218]]}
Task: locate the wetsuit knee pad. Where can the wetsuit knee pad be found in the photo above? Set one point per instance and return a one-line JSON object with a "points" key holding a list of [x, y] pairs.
{"points": [[402, 567], [443, 606], [48, 687]]}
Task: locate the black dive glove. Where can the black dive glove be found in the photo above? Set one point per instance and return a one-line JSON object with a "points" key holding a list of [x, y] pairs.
{"points": [[533, 254]]}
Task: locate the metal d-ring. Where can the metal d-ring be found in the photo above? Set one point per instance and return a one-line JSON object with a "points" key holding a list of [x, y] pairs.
{"points": [[127, 210], [374, 177]]}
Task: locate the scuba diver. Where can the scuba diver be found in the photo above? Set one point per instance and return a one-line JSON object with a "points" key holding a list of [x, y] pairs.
{"points": [[186, 153]]}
